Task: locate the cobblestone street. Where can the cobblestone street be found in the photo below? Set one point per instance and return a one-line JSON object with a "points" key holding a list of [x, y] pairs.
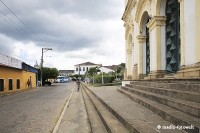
{"points": [[33, 111]]}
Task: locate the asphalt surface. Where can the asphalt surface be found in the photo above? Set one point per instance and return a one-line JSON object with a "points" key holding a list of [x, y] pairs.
{"points": [[33, 111]]}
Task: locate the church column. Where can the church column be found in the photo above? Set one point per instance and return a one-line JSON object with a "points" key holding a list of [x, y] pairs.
{"points": [[197, 16], [141, 39], [129, 52], [133, 70], [157, 45], [182, 30]]}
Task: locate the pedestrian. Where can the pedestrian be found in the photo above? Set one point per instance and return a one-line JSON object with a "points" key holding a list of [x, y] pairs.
{"points": [[28, 83], [78, 84], [88, 80], [85, 80]]}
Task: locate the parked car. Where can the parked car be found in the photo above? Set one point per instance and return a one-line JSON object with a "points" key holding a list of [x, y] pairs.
{"points": [[48, 83]]}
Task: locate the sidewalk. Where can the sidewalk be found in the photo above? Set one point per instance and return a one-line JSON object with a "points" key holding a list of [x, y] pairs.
{"points": [[75, 119]]}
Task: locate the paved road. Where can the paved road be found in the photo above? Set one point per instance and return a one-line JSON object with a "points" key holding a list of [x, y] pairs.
{"points": [[34, 111]]}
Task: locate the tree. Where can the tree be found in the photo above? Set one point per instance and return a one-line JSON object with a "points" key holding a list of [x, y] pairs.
{"points": [[48, 73], [120, 69], [93, 71]]}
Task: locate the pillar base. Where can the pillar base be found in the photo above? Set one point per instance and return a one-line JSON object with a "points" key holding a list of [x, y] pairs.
{"points": [[135, 72], [189, 71], [156, 74], [141, 76], [129, 77], [125, 74]]}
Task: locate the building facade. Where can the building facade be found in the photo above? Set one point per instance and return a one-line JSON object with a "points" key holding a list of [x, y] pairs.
{"points": [[162, 38], [66, 72], [14, 74], [84, 67]]}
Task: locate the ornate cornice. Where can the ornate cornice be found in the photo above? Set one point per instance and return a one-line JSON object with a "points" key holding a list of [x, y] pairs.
{"points": [[156, 21], [142, 4], [141, 38], [129, 26], [128, 9]]}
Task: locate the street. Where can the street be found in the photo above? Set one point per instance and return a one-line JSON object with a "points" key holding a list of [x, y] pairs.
{"points": [[33, 111]]}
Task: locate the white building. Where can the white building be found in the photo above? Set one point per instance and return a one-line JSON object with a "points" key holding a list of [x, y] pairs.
{"points": [[84, 67], [107, 69], [10, 61], [162, 38]]}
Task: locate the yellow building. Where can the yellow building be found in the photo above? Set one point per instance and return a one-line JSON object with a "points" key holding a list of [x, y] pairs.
{"points": [[162, 38], [15, 79]]}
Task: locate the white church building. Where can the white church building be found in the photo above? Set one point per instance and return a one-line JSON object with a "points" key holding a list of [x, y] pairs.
{"points": [[162, 38]]}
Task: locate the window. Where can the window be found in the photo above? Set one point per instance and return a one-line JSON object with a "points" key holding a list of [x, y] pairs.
{"points": [[87, 68], [83, 68], [1, 84], [77, 69], [18, 83]]}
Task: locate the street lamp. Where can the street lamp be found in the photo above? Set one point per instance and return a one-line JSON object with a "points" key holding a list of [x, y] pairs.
{"points": [[43, 50]]}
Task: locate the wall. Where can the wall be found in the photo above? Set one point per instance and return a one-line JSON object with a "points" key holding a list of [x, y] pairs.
{"points": [[10, 61], [7, 73], [189, 23]]}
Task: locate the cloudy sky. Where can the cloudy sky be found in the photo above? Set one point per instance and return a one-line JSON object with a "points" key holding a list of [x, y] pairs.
{"points": [[77, 30]]}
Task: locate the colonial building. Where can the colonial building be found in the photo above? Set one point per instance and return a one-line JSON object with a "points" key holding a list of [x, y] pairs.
{"points": [[84, 67], [162, 38], [14, 74], [66, 72]]}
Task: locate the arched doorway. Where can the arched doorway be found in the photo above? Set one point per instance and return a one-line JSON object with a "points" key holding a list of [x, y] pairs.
{"points": [[173, 44]]}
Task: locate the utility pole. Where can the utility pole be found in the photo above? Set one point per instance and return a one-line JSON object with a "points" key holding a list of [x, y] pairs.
{"points": [[43, 50]]}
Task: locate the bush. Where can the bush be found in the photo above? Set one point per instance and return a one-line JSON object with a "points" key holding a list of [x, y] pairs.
{"points": [[106, 78]]}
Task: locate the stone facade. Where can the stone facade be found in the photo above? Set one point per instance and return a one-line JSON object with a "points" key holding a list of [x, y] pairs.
{"points": [[169, 28]]}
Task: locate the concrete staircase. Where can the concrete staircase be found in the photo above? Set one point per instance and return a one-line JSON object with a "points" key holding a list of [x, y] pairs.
{"points": [[175, 102], [144, 107], [101, 119]]}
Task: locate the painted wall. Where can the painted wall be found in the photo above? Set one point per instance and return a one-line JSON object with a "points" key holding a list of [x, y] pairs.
{"points": [[189, 23], [7, 73], [10, 61]]}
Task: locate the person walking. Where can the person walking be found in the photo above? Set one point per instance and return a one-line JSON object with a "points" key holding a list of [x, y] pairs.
{"points": [[28, 83], [78, 84]]}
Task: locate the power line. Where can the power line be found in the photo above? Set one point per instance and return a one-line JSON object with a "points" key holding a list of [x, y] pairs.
{"points": [[28, 35], [20, 19], [8, 51]]}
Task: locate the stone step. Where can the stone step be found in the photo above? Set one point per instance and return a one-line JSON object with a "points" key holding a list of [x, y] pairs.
{"points": [[167, 85], [191, 108], [111, 124], [132, 115], [94, 120], [185, 95], [169, 114]]}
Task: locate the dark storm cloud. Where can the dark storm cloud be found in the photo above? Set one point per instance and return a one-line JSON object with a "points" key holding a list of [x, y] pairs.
{"points": [[62, 24]]}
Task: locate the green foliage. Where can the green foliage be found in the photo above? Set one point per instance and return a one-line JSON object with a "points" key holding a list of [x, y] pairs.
{"points": [[107, 78], [120, 70], [77, 76], [49, 73], [93, 71]]}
